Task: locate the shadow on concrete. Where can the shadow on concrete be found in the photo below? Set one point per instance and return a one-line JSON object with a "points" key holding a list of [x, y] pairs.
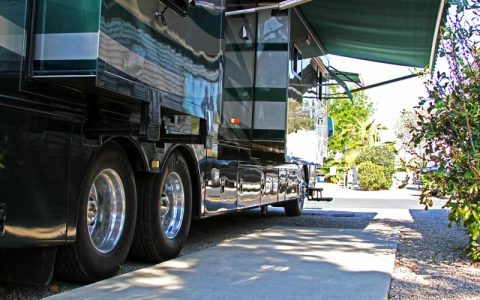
{"points": [[210, 232], [283, 262]]}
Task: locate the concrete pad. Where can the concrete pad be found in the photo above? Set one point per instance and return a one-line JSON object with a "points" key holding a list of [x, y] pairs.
{"points": [[277, 263]]}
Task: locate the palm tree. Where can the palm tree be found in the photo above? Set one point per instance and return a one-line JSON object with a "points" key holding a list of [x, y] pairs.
{"points": [[362, 134], [366, 133]]}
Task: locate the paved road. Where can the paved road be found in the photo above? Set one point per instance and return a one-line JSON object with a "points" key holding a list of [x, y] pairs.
{"points": [[392, 199]]}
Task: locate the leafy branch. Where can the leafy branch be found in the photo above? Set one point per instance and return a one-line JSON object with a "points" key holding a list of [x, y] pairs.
{"points": [[447, 131]]}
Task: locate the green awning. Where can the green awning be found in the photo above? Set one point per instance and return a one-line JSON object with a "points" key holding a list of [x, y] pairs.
{"points": [[342, 84], [345, 76], [402, 32]]}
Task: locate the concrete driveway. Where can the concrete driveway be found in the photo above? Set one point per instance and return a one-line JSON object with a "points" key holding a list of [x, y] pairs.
{"points": [[276, 263]]}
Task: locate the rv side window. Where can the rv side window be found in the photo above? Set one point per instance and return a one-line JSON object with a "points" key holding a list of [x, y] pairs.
{"points": [[296, 62]]}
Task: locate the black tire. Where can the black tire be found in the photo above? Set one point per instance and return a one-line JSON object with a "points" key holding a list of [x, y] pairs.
{"points": [[294, 208], [81, 261], [151, 243]]}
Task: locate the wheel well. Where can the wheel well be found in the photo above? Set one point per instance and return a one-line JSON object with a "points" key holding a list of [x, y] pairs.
{"points": [[195, 177], [137, 162]]}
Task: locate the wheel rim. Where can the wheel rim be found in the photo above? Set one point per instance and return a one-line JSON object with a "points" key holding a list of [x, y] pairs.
{"points": [[106, 210], [172, 205]]}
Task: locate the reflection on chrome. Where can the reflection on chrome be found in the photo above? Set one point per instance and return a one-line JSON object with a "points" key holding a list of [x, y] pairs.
{"points": [[106, 210], [172, 205]]}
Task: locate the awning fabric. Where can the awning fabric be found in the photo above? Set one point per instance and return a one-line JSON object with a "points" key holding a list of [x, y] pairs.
{"points": [[345, 76], [391, 31], [342, 84]]}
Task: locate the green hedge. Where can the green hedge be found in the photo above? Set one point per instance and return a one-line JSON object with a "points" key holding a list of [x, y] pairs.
{"points": [[372, 177], [382, 156]]}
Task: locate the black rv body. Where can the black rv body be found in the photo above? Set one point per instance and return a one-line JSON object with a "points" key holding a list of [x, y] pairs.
{"points": [[165, 111]]}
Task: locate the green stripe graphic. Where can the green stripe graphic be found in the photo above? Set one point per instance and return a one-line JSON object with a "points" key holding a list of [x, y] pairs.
{"points": [[269, 134], [272, 47], [237, 94], [65, 67], [62, 16], [271, 94]]}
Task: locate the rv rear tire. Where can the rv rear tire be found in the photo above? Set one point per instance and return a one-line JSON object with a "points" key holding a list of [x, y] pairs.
{"points": [[165, 212], [105, 222]]}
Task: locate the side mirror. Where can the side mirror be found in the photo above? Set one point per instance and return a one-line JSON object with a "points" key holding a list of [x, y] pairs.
{"points": [[331, 128]]}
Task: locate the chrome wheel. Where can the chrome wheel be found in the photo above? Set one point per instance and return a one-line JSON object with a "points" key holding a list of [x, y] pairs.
{"points": [[172, 205], [106, 210]]}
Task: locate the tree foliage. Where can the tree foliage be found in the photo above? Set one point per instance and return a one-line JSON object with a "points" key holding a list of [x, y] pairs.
{"points": [[448, 123], [348, 114], [403, 130], [362, 134]]}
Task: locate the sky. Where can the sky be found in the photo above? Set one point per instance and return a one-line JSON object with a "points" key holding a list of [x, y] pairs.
{"points": [[388, 100]]}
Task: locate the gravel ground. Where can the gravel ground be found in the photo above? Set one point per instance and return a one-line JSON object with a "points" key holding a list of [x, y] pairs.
{"points": [[430, 260]]}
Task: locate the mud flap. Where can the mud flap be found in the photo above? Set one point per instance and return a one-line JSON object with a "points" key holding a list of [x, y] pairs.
{"points": [[27, 265]]}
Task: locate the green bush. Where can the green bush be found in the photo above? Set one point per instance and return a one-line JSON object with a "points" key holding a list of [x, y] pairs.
{"points": [[383, 156], [372, 177], [447, 128]]}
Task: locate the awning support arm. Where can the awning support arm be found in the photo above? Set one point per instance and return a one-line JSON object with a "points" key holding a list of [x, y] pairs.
{"points": [[281, 6], [346, 76], [342, 84], [386, 82], [341, 95], [335, 98]]}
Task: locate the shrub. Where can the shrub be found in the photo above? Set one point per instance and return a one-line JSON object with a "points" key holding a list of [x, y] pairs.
{"points": [[372, 176], [448, 130], [383, 156]]}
